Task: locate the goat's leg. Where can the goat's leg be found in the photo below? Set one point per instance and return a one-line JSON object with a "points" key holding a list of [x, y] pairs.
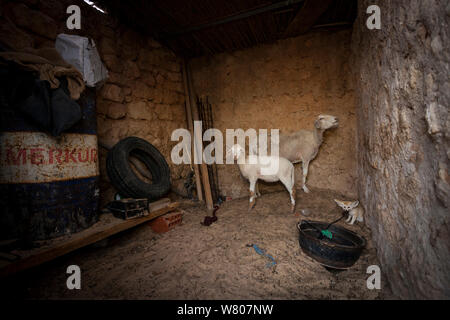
{"points": [[258, 194], [292, 193], [252, 200], [290, 187], [305, 165]]}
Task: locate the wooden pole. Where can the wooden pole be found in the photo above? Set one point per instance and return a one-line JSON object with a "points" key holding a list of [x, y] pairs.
{"points": [[198, 182], [199, 140]]}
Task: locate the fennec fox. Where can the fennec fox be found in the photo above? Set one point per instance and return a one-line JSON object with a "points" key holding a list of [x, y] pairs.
{"points": [[355, 212]]}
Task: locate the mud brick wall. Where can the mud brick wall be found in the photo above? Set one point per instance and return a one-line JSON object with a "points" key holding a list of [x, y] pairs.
{"points": [[403, 94], [285, 86], [143, 95]]}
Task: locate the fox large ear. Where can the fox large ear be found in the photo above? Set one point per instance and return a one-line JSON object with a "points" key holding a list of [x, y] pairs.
{"points": [[356, 203]]}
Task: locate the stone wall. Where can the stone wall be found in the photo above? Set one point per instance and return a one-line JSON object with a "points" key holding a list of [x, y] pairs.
{"points": [[403, 94], [143, 95], [285, 86]]}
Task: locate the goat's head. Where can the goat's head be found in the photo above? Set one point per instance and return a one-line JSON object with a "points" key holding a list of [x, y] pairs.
{"points": [[236, 151], [325, 122]]}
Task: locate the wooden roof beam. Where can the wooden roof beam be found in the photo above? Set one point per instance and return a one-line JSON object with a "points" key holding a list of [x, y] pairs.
{"points": [[235, 17], [307, 16]]}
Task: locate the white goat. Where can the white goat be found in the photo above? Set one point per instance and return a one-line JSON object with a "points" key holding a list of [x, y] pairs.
{"points": [[302, 146], [253, 168]]}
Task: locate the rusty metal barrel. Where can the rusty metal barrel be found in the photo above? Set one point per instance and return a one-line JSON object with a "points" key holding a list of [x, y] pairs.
{"points": [[49, 186]]}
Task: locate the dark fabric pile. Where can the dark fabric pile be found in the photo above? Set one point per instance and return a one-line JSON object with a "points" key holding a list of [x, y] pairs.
{"points": [[42, 93]]}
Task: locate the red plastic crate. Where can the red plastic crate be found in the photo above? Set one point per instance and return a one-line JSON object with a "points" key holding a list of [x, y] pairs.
{"points": [[166, 222]]}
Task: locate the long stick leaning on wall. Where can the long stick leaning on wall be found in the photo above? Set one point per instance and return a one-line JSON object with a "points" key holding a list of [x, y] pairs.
{"points": [[198, 141], [192, 115]]}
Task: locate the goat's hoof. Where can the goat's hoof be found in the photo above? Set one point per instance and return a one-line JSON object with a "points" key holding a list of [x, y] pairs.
{"points": [[292, 209], [305, 189], [251, 206]]}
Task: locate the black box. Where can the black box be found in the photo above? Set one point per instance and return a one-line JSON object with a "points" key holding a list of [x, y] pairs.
{"points": [[129, 208]]}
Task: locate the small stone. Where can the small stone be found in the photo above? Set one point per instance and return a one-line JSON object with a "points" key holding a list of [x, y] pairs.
{"points": [[174, 76], [116, 111], [160, 80], [112, 92], [146, 60], [115, 78], [131, 70], [126, 91], [174, 86], [141, 90], [148, 79], [436, 45], [139, 110], [158, 95], [112, 63], [163, 112], [431, 115]]}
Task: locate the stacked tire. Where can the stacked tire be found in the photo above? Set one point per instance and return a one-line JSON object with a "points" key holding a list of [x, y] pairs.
{"points": [[124, 178]]}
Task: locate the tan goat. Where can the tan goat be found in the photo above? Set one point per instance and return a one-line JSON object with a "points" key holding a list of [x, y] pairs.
{"points": [[303, 145]]}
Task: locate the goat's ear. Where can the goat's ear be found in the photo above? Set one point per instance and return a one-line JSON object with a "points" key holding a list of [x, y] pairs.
{"points": [[316, 124]]}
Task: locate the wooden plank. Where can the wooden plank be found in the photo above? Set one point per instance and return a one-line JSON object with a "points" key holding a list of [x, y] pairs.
{"points": [[81, 239], [306, 17], [159, 204], [199, 141], [198, 182]]}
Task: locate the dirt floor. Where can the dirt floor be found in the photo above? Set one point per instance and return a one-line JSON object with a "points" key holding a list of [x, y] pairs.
{"points": [[197, 262]]}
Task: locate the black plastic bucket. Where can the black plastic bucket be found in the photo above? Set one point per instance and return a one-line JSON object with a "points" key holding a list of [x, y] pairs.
{"points": [[339, 252]]}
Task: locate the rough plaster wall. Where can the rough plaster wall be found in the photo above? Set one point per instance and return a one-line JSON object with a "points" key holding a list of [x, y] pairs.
{"points": [[403, 94], [143, 96], [286, 85]]}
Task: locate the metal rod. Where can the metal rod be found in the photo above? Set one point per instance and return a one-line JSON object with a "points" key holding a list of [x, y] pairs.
{"points": [[214, 166], [335, 24]]}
